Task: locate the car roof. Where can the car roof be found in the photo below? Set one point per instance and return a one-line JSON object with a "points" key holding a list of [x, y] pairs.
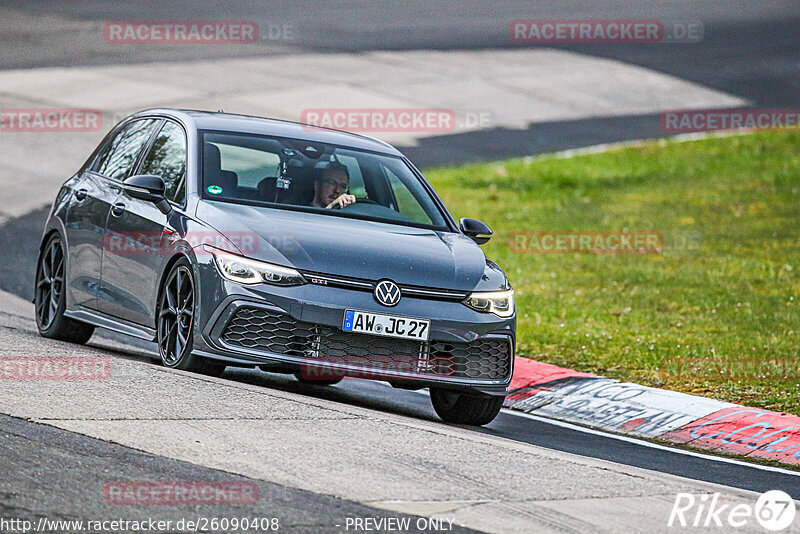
{"points": [[231, 122]]}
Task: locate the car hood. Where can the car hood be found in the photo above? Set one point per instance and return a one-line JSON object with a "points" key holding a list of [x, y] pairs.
{"points": [[353, 247]]}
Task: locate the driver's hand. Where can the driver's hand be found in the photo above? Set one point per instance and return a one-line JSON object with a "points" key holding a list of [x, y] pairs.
{"points": [[343, 200]]}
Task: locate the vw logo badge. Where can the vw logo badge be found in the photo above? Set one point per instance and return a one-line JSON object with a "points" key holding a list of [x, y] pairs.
{"points": [[387, 293]]}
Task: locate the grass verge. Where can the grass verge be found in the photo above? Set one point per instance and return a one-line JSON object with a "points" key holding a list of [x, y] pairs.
{"points": [[715, 313]]}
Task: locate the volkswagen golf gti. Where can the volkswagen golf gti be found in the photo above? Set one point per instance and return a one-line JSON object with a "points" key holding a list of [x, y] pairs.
{"points": [[241, 241]]}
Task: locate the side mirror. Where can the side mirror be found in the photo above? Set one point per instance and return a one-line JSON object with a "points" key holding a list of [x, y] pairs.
{"points": [[477, 230], [149, 188]]}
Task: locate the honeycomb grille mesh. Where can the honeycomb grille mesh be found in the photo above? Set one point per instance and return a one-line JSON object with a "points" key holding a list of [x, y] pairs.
{"points": [[266, 330]]}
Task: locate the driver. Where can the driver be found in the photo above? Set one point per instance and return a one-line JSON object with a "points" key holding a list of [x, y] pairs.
{"points": [[330, 187]]}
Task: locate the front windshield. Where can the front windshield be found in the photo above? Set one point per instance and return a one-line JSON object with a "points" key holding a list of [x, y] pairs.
{"points": [[310, 176]]}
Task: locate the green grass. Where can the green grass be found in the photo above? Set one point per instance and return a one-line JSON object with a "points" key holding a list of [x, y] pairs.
{"points": [[723, 294]]}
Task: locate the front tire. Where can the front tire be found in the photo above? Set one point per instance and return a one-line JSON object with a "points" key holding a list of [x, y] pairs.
{"points": [[315, 382], [175, 322], [465, 409], [50, 297]]}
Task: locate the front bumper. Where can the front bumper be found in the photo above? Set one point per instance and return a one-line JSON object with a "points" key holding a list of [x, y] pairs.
{"points": [[299, 329]]}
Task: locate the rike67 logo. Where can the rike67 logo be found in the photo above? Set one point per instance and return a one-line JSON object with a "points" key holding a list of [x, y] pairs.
{"points": [[774, 510]]}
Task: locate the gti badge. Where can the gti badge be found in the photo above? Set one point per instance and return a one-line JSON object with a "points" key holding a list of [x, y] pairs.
{"points": [[387, 293]]}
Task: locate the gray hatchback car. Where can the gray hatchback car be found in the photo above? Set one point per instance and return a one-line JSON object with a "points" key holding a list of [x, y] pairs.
{"points": [[241, 241]]}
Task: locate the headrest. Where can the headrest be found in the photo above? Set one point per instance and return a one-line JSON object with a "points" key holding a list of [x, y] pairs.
{"points": [[212, 161], [213, 173], [266, 187]]}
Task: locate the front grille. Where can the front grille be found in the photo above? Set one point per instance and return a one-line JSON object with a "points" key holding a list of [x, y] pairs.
{"points": [[362, 284], [265, 330]]}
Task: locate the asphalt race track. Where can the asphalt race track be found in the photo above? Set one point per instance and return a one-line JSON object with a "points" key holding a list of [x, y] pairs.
{"points": [[749, 49], [338, 451], [329, 446]]}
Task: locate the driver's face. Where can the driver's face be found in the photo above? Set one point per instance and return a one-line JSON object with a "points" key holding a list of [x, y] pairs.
{"points": [[331, 185]]}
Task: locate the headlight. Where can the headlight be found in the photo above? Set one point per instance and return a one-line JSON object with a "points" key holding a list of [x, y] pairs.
{"points": [[500, 303], [246, 271]]}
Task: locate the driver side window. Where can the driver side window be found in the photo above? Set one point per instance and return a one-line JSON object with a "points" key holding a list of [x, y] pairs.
{"points": [[167, 159], [118, 158]]}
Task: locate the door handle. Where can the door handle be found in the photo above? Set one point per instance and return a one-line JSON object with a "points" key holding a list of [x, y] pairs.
{"points": [[117, 209], [80, 194]]}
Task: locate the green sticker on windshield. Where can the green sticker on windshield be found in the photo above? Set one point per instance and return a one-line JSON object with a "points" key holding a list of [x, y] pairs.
{"points": [[214, 189]]}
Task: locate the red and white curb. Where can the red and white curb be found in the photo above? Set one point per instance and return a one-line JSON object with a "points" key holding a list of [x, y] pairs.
{"points": [[623, 407]]}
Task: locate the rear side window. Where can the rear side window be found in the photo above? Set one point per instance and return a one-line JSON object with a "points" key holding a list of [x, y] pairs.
{"points": [[118, 158], [167, 159]]}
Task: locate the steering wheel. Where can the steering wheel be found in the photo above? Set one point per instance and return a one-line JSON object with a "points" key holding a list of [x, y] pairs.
{"points": [[362, 200]]}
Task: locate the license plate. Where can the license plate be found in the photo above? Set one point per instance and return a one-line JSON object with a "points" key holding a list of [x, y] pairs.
{"points": [[386, 325]]}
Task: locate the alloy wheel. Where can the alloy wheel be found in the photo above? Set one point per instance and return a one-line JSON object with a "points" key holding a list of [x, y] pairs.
{"points": [[50, 284], [176, 317]]}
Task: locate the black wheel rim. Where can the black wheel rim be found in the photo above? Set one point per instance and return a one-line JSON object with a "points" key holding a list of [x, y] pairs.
{"points": [[176, 316], [49, 284]]}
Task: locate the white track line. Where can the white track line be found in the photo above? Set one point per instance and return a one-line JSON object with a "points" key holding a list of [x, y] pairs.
{"points": [[649, 444], [636, 143], [640, 442]]}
